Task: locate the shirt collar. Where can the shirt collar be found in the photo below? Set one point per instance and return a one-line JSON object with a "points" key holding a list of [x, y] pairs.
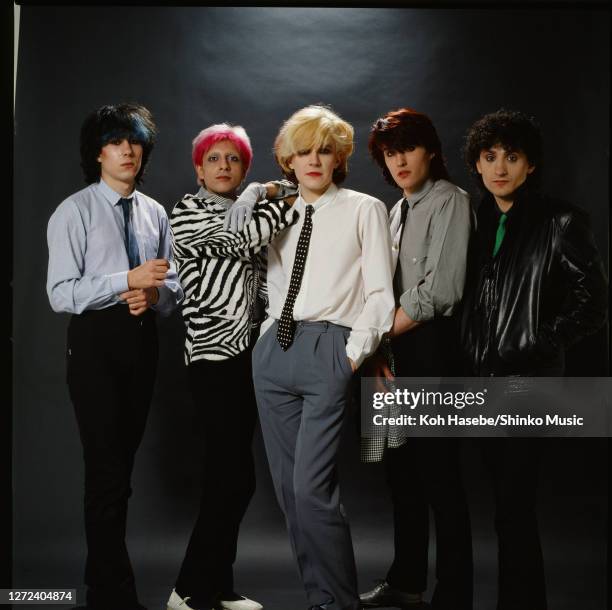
{"points": [[327, 197], [111, 195], [225, 202], [420, 194]]}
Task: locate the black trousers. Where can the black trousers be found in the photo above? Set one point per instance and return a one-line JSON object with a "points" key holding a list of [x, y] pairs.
{"points": [[224, 399], [424, 473], [513, 464], [111, 361]]}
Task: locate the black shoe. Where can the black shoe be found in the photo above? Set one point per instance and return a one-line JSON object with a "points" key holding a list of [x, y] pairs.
{"points": [[383, 595], [322, 606]]}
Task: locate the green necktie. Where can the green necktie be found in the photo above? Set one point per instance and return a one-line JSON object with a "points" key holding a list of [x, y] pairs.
{"points": [[501, 231]]}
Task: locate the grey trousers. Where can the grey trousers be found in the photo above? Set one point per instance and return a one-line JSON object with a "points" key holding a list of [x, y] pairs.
{"points": [[302, 395]]}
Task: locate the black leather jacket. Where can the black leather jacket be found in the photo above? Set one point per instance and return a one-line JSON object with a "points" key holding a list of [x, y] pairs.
{"points": [[545, 289]]}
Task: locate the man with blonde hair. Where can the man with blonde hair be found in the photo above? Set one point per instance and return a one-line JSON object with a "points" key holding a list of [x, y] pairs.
{"points": [[330, 301]]}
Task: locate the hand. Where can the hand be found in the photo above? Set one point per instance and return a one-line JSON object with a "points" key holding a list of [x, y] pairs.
{"points": [[282, 189], [377, 366], [148, 275], [242, 209], [140, 299]]}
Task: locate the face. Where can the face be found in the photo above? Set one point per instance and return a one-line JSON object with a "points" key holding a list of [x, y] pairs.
{"points": [[222, 169], [120, 161], [503, 171], [314, 169], [409, 168]]}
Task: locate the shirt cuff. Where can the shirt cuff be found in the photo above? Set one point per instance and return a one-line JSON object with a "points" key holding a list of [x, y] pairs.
{"points": [[356, 355], [414, 308], [119, 282], [164, 303]]}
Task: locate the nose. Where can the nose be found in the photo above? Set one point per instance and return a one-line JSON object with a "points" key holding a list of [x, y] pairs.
{"points": [[400, 159], [500, 166], [224, 162], [127, 148], [313, 158]]}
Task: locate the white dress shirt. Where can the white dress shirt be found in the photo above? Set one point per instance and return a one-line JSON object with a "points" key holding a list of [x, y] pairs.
{"points": [[347, 275]]}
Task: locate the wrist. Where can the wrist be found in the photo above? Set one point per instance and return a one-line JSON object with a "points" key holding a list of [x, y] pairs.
{"points": [[271, 190]]}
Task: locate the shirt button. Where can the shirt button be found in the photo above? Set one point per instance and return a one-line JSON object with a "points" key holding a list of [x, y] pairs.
{"points": [[414, 260]]}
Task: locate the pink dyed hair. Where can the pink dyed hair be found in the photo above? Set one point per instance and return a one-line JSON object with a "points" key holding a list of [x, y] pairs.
{"points": [[208, 137]]}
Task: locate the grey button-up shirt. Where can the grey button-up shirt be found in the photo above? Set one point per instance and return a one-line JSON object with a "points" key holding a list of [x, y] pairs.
{"points": [[431, 252]]}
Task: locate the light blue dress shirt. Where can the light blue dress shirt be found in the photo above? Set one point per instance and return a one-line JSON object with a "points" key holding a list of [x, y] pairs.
{"points": [[88, 262]]}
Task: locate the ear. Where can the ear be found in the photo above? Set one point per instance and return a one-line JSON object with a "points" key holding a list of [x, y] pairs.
{"points": [[200, 173], [432, 155], [338, 162], [478, 168], [531, 169]]}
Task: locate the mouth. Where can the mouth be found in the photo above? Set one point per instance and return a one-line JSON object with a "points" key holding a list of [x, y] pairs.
{"points": [[223, 178], [404, 173], [500, 182], [128, 165], [314, 174]]}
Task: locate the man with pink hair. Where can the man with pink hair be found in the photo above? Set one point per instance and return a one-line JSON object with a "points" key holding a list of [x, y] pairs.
{"points": [[221, 274]]}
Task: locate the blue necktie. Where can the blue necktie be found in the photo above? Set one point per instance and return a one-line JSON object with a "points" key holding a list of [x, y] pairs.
{"points": [[131, 245]]}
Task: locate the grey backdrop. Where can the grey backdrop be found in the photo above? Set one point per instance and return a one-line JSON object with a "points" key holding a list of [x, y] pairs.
{"points": [[255, 66]]}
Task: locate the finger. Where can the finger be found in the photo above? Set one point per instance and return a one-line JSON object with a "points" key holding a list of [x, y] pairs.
{"points": [[234, 221], [387, 372], [241, 219], [157, 261], [380, 386], [137, 302]]}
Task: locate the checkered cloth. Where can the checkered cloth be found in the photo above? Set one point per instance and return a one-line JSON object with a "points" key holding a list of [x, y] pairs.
{"points": [[372, 449]]}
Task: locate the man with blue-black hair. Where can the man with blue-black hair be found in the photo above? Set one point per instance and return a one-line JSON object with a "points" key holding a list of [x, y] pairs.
{"points": [[110, 267]]}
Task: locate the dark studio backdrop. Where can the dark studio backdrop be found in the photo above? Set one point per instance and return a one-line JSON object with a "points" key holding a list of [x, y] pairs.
{"points": [[255, 66]]}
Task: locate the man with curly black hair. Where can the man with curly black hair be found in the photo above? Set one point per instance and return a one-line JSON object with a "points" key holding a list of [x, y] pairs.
{"points": [[110, 267], [536, 285]]}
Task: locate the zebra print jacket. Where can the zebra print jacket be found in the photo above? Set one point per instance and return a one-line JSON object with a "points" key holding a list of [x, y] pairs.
{"points": [[219, 271]]}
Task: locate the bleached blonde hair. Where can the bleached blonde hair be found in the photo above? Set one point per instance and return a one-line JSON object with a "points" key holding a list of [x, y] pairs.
{"points": [[311, 127]]}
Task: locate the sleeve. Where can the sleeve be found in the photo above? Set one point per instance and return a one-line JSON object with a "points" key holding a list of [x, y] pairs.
{"points": [[262, 269], [441, 289], [198, 233], [69, 287], [376, 316], [584, 310], [171, 293]]}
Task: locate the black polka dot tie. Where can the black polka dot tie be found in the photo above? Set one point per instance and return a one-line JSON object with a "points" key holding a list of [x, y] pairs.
{"points": [[286, 324]]}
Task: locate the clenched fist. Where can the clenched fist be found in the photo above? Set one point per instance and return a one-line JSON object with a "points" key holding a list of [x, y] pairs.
{"points": [[140, 299], [148, 275]]}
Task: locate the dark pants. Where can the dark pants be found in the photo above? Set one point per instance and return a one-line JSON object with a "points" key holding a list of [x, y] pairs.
{"points": [[111, 362], [225, 403], [424, 473], [513, 464]]}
